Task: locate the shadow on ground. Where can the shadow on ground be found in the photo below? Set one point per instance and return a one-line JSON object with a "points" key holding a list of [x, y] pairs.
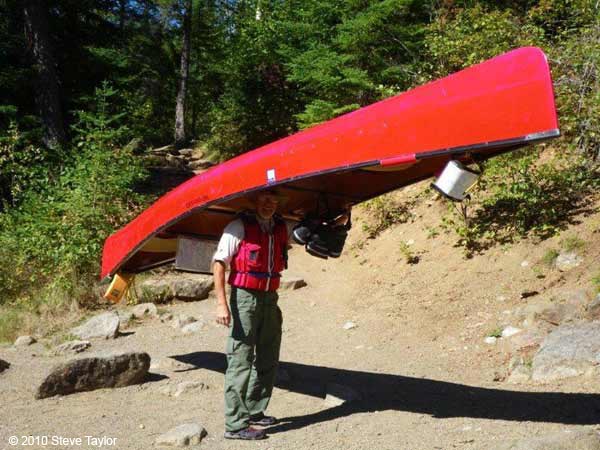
{"points": [[441, 399]]}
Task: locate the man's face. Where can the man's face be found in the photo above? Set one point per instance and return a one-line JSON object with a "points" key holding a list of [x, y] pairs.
{"points": [[266, 205]]}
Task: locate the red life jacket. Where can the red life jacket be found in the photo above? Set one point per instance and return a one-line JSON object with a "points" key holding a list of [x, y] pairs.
{"points": [[261, 256]]}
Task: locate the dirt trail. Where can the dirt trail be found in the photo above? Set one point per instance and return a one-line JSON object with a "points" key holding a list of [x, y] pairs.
{"points": [[417, 357]]}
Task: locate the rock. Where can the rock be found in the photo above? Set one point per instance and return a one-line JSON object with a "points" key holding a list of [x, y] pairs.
{"points": [[200, 164], [510, 331], [553, 313], [577, 440], [87, 374], [144, 309], [192, 328], [182, 320], [186, 152], [71, 347], [525, 264], [490, 340], [4, 365], [520, 374], [185, 286], [174, 161], [577, 297], [185, 387], [527, 340], [24, 341], [570, 350], [197, 153], [338, 394], [125, 318], [105, 325], [156, 290], [163, 150], [349, 326], [592, 310], [292, 283], [183, 435], [567, 261], [169, 364], [166, 317], [191, 286]]}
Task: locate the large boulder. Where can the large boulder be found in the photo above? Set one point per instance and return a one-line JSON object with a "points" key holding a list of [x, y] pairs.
{"points": [[87, 374], [105, 325], [578, 440], [569, 351], [184, 286]]}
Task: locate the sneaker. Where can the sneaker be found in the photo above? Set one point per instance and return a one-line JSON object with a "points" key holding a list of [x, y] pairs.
{"points": [[302, 234], [262, 420], [317, 247], [336, 240], [248, 434]]}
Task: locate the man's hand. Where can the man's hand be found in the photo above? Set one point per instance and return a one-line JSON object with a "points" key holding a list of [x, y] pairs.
{"points": [[223, 315]]}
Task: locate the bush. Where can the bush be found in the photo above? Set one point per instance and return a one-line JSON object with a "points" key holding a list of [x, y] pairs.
{"points": [[520, 196], [52, 242], [468, 36], [576, 65], [384, 212]]}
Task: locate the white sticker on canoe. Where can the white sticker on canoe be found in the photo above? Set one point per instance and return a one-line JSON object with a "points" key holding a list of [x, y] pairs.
{"points": [[271, 176]]}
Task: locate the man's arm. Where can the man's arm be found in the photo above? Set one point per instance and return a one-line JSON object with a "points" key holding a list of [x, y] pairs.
{"points": [[223, 313], [226, 250]]}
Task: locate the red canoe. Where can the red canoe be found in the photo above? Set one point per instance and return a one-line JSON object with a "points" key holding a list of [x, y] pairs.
{"points": [[496, 106]]}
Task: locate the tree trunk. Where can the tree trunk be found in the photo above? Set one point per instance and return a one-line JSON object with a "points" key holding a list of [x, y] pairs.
{"points": [[122, 12], [180, 134], [47, 96]]}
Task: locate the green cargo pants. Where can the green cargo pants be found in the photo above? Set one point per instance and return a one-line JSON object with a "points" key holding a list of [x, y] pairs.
{"points": [[252, 354]]}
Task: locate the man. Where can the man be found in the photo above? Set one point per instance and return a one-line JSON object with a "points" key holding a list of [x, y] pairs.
{"points": [[255, 247]]}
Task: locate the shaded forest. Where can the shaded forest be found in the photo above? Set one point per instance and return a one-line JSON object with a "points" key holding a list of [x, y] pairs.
{"points": [[88, 86]]}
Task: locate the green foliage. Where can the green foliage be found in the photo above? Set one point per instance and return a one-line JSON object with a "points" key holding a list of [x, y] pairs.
{"points": [[549, 257], [23, 166], [533, 197], [407, 253], [577, 74], [468, 36], [520, 196], [55, 236], [11, 320], [383, 212], [572, 243], [560, 17], [496, 332]]}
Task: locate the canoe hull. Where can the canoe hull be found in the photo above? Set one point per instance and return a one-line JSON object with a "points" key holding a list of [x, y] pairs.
{"points": [[494, 107]]}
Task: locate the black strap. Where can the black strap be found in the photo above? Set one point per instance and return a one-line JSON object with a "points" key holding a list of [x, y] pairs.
{"points": [[262, 274]]}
